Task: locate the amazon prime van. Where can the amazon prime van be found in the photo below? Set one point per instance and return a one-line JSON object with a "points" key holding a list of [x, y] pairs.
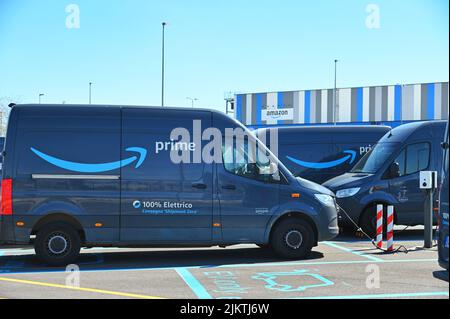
{"points": [[319, 153], [389, 174], [443, 205], [87, 176]]}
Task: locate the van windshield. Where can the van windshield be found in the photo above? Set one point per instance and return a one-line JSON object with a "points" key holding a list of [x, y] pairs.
{"points": [[375, 158]]}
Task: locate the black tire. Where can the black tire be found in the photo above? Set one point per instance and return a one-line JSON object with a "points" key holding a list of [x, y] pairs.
{"points": [[57, 244], [368, 221], [293, 238]]}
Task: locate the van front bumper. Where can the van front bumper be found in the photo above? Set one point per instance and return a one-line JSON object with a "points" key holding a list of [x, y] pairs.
{"points": [[328, 224]]}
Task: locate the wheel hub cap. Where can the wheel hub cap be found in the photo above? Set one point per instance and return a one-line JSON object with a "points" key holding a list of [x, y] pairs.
{"points": [[294, 239], [57, 244]]}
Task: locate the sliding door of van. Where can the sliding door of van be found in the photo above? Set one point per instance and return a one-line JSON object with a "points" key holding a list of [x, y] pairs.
{"points": [[411, 160], [163, 201]]}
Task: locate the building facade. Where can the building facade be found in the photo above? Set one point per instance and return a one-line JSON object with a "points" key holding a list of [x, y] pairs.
{"points": [[411, 102]]}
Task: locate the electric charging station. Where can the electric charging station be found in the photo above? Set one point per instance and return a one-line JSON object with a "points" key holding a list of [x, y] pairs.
{"points": [[428, 182]]}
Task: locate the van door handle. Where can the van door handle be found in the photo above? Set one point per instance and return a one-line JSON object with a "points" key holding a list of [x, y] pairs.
{"points": [[199, 186], [229, 187]]}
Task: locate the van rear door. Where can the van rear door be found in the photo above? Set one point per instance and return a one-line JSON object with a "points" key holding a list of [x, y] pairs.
{"points": [[162, 201]]}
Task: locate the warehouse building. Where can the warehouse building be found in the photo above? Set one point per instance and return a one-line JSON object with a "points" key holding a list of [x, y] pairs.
{"points": [[390, 103]]}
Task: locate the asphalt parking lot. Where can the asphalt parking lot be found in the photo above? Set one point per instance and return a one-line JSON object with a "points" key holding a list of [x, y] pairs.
{"points": [[346, 268]]}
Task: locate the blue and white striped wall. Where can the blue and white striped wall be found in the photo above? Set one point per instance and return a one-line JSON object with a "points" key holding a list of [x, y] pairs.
{"points": [[410, 102]]}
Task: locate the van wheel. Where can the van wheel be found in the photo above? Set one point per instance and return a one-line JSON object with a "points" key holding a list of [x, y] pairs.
{"points": [[293, 239], [368, 222], [57, 244]]}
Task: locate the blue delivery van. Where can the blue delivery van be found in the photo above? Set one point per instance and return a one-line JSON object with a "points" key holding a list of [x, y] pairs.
{"points": [[389, 174], [85, 176], [443, 206], [319, 153], [2, 143]]}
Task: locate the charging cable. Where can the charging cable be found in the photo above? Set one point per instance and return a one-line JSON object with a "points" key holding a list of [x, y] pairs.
{"points": [[401, 248]]}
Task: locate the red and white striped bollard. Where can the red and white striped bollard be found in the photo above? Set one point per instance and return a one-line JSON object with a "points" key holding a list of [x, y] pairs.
{"points": [[390, 229], [379, 239]]}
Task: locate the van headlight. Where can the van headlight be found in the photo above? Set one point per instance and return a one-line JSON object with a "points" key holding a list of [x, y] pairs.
{"points": [[327, 200], [349, 192]]}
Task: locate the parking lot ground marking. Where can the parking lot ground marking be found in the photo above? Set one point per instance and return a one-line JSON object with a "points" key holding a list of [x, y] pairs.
{"points": [[106, 292], [357, 253], [384, 296], [192, 282], [271, 283], [319, 263]]}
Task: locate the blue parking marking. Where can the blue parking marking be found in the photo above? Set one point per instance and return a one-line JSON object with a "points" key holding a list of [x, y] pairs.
{"points": [[358, 253], [270, 279], [401, 295], [193, 283]]}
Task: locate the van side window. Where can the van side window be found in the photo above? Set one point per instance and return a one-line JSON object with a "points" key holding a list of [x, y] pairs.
{"points": [[414, 158], [401, 161], [243, 160], [417, 157]]}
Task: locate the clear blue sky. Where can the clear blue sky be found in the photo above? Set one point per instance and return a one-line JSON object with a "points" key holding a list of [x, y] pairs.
{"points": [[214, 47]]}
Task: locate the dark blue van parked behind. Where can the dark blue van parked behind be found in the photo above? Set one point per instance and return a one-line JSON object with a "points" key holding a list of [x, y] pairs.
{"points": [[319, 153], [109, 176], [389, 174]]}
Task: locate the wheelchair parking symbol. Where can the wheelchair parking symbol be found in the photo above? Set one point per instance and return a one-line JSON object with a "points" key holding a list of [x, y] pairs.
{"points": [[270, 279]]}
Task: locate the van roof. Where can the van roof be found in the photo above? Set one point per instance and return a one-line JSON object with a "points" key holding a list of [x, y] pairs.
{"points": [[331, 128], [405, 131], [99, 106]]}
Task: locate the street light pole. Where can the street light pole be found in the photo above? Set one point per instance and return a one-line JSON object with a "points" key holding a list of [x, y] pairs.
{"points": [[40, 95], [90, 92], [334, 93], [162, 62], [192, 100]]}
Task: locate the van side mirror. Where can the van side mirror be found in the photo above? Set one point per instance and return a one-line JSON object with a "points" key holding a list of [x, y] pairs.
{"points": [[270, 169], [394, 170], [444, 145]]}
